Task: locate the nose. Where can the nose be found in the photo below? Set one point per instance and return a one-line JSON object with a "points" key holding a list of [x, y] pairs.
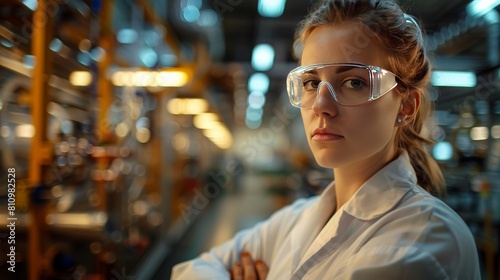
{"points": [[325, 104]]}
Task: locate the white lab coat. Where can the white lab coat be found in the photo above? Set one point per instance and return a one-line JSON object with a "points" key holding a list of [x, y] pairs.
{"points": [[390, 229]]}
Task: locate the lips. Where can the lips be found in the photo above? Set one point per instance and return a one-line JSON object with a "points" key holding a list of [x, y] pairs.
{"points": [[324, 134]]}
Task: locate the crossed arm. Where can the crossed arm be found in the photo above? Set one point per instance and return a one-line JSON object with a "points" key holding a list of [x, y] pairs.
{"points": [[249, 269]]}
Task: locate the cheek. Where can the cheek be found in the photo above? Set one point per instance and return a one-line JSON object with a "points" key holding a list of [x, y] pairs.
{"points": [[306, 118], [373, 123]]}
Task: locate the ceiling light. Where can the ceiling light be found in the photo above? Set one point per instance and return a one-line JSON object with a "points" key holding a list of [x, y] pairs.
{"points": [[56, 45], [495, 132], [453, 79], [256, 100], [29, 61], [172, 78], [206, 121], [253, 124], [165, 78], [80, 78], [31, 4], [143, 78], [271, 8], [190, 13], [263, 57], [258, 82], [479, 8], [187, 106], [442, 151], [126, 36], [254, 114], [148, 57], [97, 54], [479, 133], [83, 58], [25, 131], [6, 43], [208, 18]]}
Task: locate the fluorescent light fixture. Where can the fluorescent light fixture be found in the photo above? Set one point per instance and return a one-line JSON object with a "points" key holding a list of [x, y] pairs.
{"points": [[143, 78], [208, 18], [29, 61], [56, 45], [6, 43], [83, 58], [25, 131], [81, 220], [122, 130], [495, 132], [220, 136], [143, 135], [165, 78], [479, 133], [258, 82], [172, 78], [190, 13], [254, 114], [479, 8], [206, 121], [97, 54], [263, 57], [271, 8], [253, 124], [256, 100], [442, 151], [31, 4], [187, 106], [127, 36], [453, 79], [492, 17], [80, 78], [148, 57]]}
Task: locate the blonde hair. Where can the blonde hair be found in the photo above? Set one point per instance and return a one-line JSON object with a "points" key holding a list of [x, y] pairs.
{"points": [[402, 37]]}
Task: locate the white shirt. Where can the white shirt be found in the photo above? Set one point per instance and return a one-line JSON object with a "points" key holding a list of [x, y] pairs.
{"points": [[390, 229]]}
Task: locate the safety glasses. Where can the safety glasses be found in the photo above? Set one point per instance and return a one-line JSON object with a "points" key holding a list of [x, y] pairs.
{"points": [[350, 84]]}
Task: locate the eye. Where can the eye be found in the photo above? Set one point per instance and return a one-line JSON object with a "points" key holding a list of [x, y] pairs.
{"points": [[311, 84], [354, 84]]}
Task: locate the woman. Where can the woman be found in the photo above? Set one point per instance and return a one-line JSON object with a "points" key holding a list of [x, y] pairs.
{"points": [[361, 88]]}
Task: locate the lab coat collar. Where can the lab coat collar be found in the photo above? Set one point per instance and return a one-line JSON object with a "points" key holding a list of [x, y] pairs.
{"points": [[374, 198], [383, 190]]}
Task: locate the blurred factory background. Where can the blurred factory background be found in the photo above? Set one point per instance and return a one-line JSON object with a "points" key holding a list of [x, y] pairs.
{"points": [[142, 132]]}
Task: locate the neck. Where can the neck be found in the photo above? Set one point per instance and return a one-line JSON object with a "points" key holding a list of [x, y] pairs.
{"points": [[348, 179]]}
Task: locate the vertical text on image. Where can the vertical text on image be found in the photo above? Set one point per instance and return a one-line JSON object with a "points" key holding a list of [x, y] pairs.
{"points": [[11, 218]]}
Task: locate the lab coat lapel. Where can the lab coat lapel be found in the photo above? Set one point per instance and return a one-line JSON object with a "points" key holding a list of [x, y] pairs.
{"points": [[310, 225], [390, 184]]}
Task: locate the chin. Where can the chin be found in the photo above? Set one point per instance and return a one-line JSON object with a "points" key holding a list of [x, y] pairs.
{"points": [[329, 160]]}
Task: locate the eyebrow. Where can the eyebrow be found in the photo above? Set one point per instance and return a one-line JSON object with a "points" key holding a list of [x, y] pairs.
{"points": [[340, 69]]}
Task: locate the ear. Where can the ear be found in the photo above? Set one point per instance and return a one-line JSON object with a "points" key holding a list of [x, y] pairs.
{"points": [[409, 107]]}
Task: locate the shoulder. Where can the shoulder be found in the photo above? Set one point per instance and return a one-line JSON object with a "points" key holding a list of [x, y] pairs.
{"points": [[432, 215], [424, 226]]}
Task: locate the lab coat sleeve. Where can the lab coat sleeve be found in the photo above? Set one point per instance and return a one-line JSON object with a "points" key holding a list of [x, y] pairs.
{"points": [[261, 241]]}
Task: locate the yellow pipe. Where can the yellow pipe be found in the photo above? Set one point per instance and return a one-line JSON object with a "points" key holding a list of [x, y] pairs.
{"points": [[42, 25], [104, 92]]}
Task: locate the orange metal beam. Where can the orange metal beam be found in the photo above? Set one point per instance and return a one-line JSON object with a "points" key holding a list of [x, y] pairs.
{"points": [[42, 25], [170, 38]]}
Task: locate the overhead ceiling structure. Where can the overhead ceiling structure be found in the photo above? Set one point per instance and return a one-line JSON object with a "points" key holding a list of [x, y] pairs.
{"points": [[220, 37], [462, 36]]}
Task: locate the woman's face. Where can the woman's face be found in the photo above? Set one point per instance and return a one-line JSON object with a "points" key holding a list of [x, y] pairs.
{"points": [[340, 135]]}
